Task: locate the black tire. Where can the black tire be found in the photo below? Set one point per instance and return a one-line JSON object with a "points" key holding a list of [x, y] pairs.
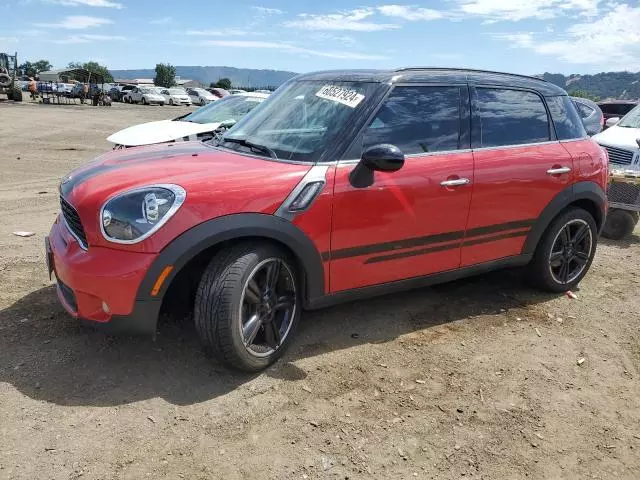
{"points": [[17, 95], [619, 224], [171, 102], [542, 273], [219, 303], [144, 101]]}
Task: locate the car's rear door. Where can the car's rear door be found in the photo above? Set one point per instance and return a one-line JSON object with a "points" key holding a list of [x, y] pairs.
{"points": [[411, 222], [519, 168]]}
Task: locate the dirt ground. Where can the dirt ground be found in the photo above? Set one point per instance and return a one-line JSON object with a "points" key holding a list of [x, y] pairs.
{"points": [[473, 379]]}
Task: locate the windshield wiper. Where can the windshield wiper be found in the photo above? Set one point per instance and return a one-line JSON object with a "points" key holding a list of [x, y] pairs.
{"points": [[255, 146]]}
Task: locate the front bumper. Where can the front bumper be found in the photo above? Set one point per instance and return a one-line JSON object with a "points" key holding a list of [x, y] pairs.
{"points": [[100, 285]]}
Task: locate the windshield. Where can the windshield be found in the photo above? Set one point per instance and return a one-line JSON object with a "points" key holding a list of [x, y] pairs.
{"points": [[302, 120], [148, 90], [201, 91], [177, 91], [631, 119], [228, 110]]}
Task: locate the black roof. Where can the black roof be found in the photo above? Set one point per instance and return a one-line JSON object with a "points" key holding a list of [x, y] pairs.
{"points": [[434, 75]]}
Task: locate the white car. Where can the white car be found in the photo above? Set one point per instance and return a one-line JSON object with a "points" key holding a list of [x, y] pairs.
{"points": [[201, 124], [199, 96], [622, 140], [144, 95], [236, 91], [175, 96]]}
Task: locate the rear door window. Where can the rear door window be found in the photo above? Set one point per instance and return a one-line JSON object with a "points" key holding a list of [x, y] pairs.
{"points": [[418, 120], [511, 117], [566, 118], [584, 110]]}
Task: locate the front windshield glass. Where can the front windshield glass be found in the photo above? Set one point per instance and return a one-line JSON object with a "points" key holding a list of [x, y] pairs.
{"points": [[228, 110], [177, 91], [631, 119], [147, 90], [302, 120]]}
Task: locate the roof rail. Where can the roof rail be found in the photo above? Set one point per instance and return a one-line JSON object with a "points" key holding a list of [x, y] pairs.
{"points": [[470, 70]]}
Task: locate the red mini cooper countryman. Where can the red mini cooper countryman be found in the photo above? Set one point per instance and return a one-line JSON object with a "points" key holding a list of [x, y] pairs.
{"points": [[341, 185]]}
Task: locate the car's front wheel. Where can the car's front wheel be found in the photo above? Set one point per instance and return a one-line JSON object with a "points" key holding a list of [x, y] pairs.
{"points": [[565, 251], [248, 305]]}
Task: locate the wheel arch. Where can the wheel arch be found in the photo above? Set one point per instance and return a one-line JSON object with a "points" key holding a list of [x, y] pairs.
{"points": [[231, 228], [586, 195]]}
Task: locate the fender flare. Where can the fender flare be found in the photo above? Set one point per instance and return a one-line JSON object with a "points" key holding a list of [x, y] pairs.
{"points": [[589, 191], [237, 226]]}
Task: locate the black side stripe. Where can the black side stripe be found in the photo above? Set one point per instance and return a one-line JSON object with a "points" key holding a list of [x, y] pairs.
{"points": [[421, 241], [440, 248]]}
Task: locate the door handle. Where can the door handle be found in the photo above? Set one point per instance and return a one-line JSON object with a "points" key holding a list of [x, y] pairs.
{"points": [[558, 171], [458, 182]]}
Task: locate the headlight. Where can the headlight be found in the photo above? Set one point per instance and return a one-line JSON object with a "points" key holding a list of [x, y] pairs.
{"points": [[132, 216]]}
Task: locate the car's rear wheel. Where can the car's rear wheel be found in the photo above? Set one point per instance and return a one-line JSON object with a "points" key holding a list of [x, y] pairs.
{"points": [[565, 251], [144, 100], [247, 305], [171, 102], [619, 224]]}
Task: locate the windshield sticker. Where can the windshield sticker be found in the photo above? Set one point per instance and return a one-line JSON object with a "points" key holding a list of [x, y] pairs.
{"points": [[347, 97]]}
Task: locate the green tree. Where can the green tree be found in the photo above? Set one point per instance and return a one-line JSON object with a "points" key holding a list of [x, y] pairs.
{"points": [[165, 75], [93, 67], [584, 94], [222, 83], [32, 69]]}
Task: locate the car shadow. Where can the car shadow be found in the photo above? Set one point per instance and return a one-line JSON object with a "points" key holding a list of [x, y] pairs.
{"points": [[627, 242], [48, 356]]}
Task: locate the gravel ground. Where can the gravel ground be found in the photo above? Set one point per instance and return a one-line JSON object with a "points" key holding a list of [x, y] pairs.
{"points": [[481, 378]]}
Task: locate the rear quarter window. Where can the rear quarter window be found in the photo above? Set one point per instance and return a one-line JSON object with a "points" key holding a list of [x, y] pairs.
{"points": [[566, 119]]}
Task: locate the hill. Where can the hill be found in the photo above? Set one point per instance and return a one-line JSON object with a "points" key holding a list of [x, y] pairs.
{"points": [[240, 77], [619, 85]]}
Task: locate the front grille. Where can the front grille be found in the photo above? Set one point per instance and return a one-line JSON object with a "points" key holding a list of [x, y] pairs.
{"points": [[619, 156], [72, 219], [625, 193], [68, 295]]}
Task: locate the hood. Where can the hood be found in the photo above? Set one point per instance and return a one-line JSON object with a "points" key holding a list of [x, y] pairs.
{"points": [[159, 132], [217, 181], [616, 136]]}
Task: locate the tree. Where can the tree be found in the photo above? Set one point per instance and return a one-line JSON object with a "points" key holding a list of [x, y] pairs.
{"points": [[165, 75], [93, 67], [584, 94], [32, 69], [222, 83]]}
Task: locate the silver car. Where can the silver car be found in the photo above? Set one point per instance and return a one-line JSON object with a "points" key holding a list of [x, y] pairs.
{"points": [[199, 96], [590, 114], [144, 95], [175, 96]]}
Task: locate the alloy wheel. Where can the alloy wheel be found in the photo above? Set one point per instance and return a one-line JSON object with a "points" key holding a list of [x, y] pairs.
{"points": [[267, 307], [570, 251]]}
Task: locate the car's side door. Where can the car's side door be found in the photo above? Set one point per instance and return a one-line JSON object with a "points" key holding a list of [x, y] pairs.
{"points": [[520, 166], [410, 222]]}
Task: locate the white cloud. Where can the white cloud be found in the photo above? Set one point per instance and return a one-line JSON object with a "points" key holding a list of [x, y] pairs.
{"points": [[409, 12], [327, 37], [77, 22], [352, 21], [268, 11], [88, 3], [6, 41], [88, 38], [612, 42], [223, 32], [516, 10], [286, 47], [161, 21]]}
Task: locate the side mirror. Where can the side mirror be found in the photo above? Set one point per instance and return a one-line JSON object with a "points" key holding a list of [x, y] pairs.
{"points": [[381, 158], [612, 121]]}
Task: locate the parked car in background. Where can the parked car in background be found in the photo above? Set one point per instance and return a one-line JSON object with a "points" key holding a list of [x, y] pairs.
{"points": [[590, 114], [622, 140], [263, 91], [144, 95], [347, 184], [78, 90], [201, 124], [175, 96], [236, 91], [219, 92], [615, 108], [120, 91], [199, 96]]}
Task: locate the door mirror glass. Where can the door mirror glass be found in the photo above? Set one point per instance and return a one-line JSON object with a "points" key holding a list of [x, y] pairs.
{"points": [[382, 158], [612, 121]]}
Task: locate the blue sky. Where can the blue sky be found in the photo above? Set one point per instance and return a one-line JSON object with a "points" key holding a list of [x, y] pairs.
{"points": [[521, 36]]}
